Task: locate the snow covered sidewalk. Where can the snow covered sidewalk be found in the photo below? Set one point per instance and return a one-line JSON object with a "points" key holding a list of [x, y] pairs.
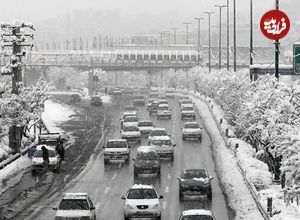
{"points": [[239, 196]]}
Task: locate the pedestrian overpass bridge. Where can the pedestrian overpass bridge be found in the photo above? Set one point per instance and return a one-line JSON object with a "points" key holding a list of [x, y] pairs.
{"points": [[118, 60]]}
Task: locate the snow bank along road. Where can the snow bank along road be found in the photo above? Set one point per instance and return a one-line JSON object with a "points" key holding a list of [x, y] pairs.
{"points": [[107, 183]]}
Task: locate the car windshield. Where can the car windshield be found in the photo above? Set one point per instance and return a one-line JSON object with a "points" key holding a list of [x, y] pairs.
{"points": [[130, 108], [191, 125], [142, 194], [116, 144], [158, 133], [131, 128], [146, 123], [96, 98], [186, 102], [161, 142], [190, 174], [197, 217], [151, 155], [189, 108], [163, 108], [74, 204], [131, 119], [39, 153]]}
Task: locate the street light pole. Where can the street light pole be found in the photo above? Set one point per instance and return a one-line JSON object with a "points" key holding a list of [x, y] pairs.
{"points": [[251, 32], [277, 48], [209, 51], [174, 32], [187, 32], [220, 33], [199, 19], [234, 36], [228, 34]]}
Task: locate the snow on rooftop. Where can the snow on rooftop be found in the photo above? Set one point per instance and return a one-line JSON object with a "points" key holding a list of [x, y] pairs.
{"points": [[141, 186], [145, 149], [196, 212]]}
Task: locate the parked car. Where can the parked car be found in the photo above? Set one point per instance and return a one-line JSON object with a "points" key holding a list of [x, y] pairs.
{"points": [[188, 112], [142, 201], [161, 132], [146, 161], [74, 98], [191, 130], [139, 100], [75, 206], [195, 182], [37, 162], [116, 149], [117, 91], [197, 214], [131, 133], [163, 112], [145, 127], [163, 146], [96, 100]]}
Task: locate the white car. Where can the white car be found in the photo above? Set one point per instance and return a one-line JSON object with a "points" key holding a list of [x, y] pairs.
{"points": [[191, 130], [157, 132], [116, 149], [163, 111], [130, 108], [75, 206], [131, 133], [37, 162], [197, 214], [131, 120], [142, 201], [163, 146], [188, 112], [126, 114], [145, 127]]}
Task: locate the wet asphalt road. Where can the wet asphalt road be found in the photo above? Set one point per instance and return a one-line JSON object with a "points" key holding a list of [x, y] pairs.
{"points": [[107, 183]]}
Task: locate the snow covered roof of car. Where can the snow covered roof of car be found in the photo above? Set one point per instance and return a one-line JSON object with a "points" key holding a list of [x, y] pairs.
{"points": [[75, 195], [145, 149], [39, 147], [163, 105], [163, 138], [191, 122], [142, 186], [158, 129], [196, 212], [110, 140], [187, 105]]}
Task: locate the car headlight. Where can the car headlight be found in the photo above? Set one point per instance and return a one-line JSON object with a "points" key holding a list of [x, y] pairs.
{"points": [[34, 162], [155, 206], [53, 162], [129, 206], [184, 185]]}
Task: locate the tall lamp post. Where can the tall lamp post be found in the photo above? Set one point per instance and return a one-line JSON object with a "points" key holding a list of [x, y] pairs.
{"points": [[209, 51], [174, 35], [234, 36], [277, 48], [187, 31], [228, 34], [220, 33], [251, 32], [198, 20]]}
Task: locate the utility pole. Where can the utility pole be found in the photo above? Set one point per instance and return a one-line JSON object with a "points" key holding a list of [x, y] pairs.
{"points": [[228, 45], [251, 32], [187, 31], [277, 48], [209, 51], [174, 35], [14, 36], [199, 19], [234, 36], [220, 33], [161, 38]]}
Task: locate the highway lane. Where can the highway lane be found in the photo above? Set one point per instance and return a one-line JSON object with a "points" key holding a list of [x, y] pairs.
{"points": [[106, 184]]}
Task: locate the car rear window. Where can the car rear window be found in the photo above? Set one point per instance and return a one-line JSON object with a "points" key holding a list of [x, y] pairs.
{"points": [[116, 144], [130, 128], [145, 123], [74, 204], [158, 133], [197, 217], [39, 153], [190, 108], [142, 194]]}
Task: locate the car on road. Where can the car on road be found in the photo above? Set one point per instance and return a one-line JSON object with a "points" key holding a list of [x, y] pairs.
{"points": [[153, 94], [161, 132], [191, 130], [37, 162], [184, 102], [142, 201], [163, 112], [125, 115], [130, 108], [153, 108], [195, 182], [128, 91], [188, 112], [162, 101], [150, 101], [170, 93], [75, 206], [131, 120], [139, 100], [197, 214], [131, 133], [145, 127], [74, 98], [96, 100], [163, 146], [145, 90], [116, 149], [117, 91], [146, 161]]}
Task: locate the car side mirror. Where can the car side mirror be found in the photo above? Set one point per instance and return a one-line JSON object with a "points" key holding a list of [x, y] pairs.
{"points": [[54, 208], [179, 178], [123, 197], [174, 145], [169, 135], [103, 147], [133, 159], [161, 197], [211, 178], [92, 208]]}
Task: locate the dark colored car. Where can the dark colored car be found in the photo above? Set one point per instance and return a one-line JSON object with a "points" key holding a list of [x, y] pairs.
{"points": [[195, 182], [139, 100], [96, 100], [75, 98], [146, 161], [153, 108]]}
